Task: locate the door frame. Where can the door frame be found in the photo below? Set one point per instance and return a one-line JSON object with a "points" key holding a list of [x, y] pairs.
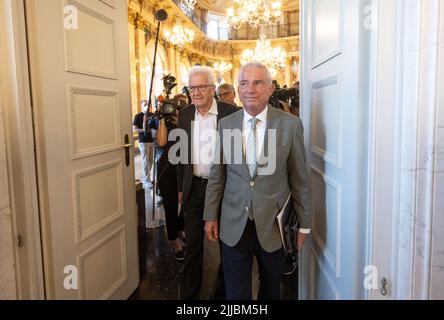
{"points": [[385, 106], [20, 146], [394, 74], [406, 60]]}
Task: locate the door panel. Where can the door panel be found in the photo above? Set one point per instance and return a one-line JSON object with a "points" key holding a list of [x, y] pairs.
{"points": [[81, 91], [334, 107]]}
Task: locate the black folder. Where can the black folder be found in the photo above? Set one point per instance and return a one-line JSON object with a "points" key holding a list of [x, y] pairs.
{"points": [[288, 222]]}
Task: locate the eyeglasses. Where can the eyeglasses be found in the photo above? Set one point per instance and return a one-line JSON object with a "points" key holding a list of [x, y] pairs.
{"points": [[224, 94], [200, 88]]}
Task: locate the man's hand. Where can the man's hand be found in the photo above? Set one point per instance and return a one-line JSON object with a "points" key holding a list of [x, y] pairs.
{"points": [[180, 197], [212, 230], [175, 119], [301, 240]]}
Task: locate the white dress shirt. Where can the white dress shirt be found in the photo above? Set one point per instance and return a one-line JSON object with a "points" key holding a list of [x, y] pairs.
{"points": [[204, 141], [261, 127]]}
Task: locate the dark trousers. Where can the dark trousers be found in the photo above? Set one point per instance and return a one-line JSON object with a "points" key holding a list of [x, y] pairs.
{"points": [[191, 281], [219, 285], [167, 180], [238, 266]]}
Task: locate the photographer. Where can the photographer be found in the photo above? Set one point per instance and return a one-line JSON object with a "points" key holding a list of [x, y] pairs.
{"points": [[167, 180], [145, 143]]}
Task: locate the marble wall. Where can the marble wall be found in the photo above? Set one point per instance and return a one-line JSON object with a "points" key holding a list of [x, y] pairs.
{"points": [[7, 271], [421, 219], [437, 273]]}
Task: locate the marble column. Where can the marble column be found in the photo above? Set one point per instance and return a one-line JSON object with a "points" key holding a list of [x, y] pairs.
{"points": [[172, 65], [141, 60], [421, 218], [287, 73], [178, 74], [234, 75], [132, 51]]}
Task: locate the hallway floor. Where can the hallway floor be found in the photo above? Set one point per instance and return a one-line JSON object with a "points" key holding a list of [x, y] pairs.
{"points": [[161, 279]]}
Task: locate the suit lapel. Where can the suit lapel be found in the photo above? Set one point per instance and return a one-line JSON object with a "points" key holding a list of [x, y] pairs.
{"points": [[220, 114], [237, 124], [189, 129]]}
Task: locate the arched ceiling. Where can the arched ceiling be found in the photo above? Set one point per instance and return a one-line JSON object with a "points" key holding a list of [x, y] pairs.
{"points": [[221, 6]]}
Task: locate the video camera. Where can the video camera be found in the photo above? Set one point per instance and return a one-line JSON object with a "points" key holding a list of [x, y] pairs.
{"points": [[167, 106], [283, 94]]}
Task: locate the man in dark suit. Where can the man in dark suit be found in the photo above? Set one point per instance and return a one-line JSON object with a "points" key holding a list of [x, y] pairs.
{"points": [[200, 123], [253, 190], [227, 94]]}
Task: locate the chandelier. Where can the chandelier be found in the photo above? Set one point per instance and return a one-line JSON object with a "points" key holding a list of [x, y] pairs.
{"points": [[222, 67], [179, 36], [272, 58], [253, 12]]}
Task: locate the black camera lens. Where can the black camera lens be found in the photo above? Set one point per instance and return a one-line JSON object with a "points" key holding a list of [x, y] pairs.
{"points": [[168, 108]]}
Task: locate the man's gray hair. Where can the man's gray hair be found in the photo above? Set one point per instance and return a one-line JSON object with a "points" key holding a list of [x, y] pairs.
{"points": [[255, 64], [226, 86], [207, 71]]}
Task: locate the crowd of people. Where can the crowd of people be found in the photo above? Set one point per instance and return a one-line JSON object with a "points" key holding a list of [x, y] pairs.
{"points": [[207, 193]]}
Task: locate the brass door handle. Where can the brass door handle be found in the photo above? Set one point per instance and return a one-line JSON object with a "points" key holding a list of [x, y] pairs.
{"points": [[127, 147]]}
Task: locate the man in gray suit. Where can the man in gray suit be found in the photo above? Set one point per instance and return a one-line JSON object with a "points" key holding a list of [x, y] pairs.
{"points": [[254, 189]]}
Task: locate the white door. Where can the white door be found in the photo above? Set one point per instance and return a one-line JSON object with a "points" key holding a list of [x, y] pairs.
{"points": [[81, 97], [334, 96]]}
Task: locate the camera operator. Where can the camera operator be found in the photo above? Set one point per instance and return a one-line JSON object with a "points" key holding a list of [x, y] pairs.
{"points": [[285, 99], [167, 180], [294, 105]]}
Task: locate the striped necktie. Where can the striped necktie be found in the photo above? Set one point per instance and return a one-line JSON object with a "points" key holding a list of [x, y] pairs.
{"points": [[251, 150]]}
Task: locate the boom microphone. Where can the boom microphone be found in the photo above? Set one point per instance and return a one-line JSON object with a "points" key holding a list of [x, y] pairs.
{"points": [[161, 15]]}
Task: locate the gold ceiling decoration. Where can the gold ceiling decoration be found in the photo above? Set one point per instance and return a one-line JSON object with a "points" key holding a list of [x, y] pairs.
{"points": [[254, 13], [273, 58]]}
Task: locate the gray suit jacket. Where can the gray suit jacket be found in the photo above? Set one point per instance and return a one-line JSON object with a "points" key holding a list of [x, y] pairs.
{"points": [[230, 183]]}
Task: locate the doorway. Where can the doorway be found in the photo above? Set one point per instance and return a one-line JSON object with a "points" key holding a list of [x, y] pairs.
{"points": [[332, 266]]}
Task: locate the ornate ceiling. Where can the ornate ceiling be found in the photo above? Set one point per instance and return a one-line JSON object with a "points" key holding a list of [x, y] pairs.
{"points": [[221, 6]]}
